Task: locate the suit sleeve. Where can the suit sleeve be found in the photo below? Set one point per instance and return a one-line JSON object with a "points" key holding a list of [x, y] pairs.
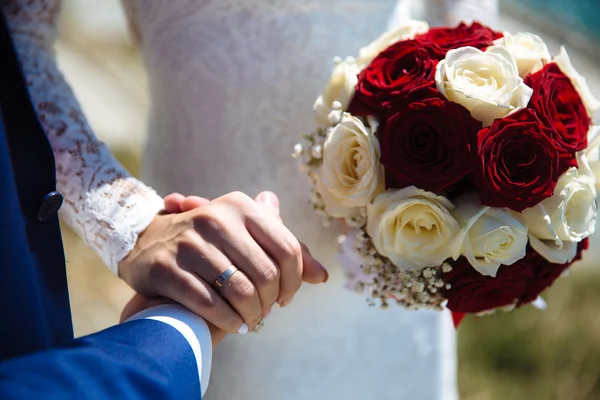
{"points": [[141, 359]]}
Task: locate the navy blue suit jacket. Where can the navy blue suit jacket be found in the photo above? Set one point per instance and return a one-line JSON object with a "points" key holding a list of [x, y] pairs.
{"points": [[39, 358]]}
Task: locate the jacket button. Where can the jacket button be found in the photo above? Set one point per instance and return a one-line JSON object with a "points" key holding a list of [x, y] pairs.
{"points": [[50, 205]]}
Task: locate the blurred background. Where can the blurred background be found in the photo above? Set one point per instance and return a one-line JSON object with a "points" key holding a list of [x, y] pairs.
{"points": [[528, 354]]}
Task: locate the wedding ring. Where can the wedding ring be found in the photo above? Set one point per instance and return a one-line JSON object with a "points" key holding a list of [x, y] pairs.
{"points": [[259, 326], [220, 281]]}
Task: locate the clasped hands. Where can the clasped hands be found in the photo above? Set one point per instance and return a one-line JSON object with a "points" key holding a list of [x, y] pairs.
{"points": [[184, 250]]}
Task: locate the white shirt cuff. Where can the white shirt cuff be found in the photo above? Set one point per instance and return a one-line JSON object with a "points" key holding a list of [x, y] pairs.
{"points": [[194, 330]]}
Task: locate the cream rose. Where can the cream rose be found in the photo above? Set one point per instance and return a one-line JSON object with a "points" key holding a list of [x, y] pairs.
{"points": [[489, 237], [412, 227], [340, 88], [529, 51], [405, 31], [351, 175], [558, 223], [590, 102], [486, 83]]}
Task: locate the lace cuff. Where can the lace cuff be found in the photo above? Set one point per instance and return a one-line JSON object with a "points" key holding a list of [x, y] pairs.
{"points": [[113, 216], [103, 204]]}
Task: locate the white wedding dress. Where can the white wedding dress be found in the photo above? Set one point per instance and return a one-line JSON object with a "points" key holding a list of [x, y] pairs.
{"points": [[233, 82]]}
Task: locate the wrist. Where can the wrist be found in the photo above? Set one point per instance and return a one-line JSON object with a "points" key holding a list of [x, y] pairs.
{"points": [[126, 220], [192, 327], [129, 263]]}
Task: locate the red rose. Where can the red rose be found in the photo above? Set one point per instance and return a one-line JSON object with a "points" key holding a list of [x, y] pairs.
{"points": [[439, 40], [471, 292], [398, 71], [520, 283], [558, 105], [518, 161], [545, 273], [428, 144]]}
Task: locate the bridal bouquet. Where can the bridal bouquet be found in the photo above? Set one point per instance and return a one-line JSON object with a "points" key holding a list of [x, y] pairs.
{"points": [[460, 159]]}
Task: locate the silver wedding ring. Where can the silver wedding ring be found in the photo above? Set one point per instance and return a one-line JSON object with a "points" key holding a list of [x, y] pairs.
{"points": [[220, 281], [259, 326]]}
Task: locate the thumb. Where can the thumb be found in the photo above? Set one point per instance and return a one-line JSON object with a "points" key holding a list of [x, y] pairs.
{"points": [[312, 271], [270, 200]]}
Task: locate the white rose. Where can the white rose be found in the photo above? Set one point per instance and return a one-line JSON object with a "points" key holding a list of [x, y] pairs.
{"points": [[559, 222], [489, 237], [405, 31], [351, 175], [590, 102], [592, 153], [486, 83], [340, 88], [412, 227], [529, 50]]}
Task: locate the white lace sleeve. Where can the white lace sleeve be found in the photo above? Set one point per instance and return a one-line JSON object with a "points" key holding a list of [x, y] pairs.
{"points": [[103, 203]]}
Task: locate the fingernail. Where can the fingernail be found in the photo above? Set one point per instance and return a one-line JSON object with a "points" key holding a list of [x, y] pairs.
{"points": [[326, 274], [267, 312], [270, 199], [243, 329], [285, 303]]}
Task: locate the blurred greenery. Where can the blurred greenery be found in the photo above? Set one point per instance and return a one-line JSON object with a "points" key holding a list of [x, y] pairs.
{"points": [[535, 354]]}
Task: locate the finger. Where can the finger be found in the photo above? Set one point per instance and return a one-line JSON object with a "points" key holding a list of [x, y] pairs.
{"points": [[279, 243], [243, 296], [192, 202], [312, 271], [250, 258], [173, 203], [209, 262], [270, 200], [196, 294]]}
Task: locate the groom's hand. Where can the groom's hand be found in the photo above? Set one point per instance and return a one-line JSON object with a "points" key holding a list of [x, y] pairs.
{"points": [[181, 256], [312, 271]]}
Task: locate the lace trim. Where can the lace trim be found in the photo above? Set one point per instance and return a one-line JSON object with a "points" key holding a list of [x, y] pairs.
{"points": [[103, 204]]}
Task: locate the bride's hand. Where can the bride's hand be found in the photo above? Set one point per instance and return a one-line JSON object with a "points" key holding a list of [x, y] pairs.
{"points": [[180, 256]]}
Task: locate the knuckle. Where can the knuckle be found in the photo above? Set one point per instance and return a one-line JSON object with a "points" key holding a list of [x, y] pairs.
{"points": [[244, 291], [187, 239], [161, 267], [208, 220], [269, 274], [237, 198], [291, 249]]}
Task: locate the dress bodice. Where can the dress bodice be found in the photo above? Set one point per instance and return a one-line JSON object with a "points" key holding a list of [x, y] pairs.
{"points": [[233, 83]]}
